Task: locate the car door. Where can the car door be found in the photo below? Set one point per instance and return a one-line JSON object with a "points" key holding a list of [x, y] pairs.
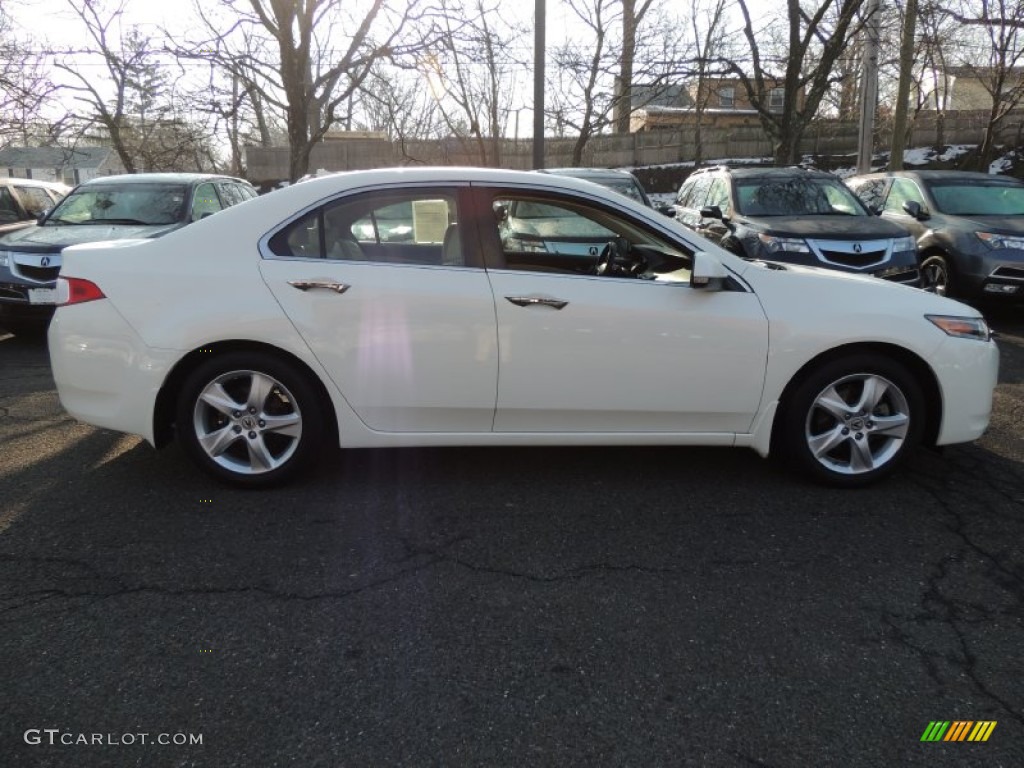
{"points": [[583, 353], [399, 311]]}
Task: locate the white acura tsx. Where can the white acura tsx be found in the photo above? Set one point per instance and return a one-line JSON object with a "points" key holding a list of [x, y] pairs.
{"points": [[454, 307]]}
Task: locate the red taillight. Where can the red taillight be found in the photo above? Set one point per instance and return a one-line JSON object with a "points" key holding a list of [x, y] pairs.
{"points": [[75, 290]]}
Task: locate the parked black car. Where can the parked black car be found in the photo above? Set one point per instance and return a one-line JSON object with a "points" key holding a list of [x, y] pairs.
{"points": [[106, 208], [612, 178], [23, 201], [797, 216], [969, 227]]}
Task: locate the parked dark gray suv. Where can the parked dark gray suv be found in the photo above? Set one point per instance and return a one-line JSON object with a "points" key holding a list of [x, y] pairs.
{"points": [[969, 227], [106, 208], [797, 216]]}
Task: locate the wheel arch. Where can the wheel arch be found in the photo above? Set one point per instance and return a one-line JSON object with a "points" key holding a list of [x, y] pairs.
{"points": [[920, 369], [167, 398]]}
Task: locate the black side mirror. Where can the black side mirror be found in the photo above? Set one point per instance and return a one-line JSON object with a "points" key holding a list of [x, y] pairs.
{"points": [[667, 210], [913, 208], [711, 212], [42, 216], [500, 212]]}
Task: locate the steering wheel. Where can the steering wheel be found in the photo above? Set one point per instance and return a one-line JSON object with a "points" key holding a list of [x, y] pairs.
{"points": [[609, 261]]}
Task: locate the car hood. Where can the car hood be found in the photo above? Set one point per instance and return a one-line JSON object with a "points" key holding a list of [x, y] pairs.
{"points": [[1003, 225], [51, 239], [827, 227]]}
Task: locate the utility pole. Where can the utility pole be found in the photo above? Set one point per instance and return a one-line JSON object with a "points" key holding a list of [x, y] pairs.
{"points": [[868, 91], [539, 21]]}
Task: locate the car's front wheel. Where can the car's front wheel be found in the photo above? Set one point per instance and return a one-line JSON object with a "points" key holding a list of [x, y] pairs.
{"points": [[853, 420], [936, 275], [250, 419]]}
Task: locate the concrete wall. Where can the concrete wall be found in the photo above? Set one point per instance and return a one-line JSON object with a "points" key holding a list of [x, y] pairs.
{"points": [[619, 150]]}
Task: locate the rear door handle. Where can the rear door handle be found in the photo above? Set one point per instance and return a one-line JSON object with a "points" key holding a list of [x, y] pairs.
{"points": [[329, 285], [537, 301]]}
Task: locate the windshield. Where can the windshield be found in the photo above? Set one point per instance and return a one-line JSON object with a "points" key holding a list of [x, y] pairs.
{"points": [[974, 199], [796, 197], [123, 204]]}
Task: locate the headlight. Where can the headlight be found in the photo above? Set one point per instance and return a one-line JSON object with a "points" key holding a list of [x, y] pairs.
{"points": [[779, 244], [904, 244], [999, 242], [962, 327]]}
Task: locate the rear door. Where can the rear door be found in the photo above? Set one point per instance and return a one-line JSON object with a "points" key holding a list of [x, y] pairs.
{"points": [[387, 289]]}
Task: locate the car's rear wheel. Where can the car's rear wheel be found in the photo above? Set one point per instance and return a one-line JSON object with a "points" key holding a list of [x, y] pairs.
{"points": [[853, 420], [250, 419], [936, 276]]}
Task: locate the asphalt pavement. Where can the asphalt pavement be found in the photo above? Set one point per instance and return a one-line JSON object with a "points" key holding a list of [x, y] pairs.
{"points": [[503, 607]]}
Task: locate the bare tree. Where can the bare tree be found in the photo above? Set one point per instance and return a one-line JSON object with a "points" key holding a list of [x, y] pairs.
{"points": [[995, 55], [306, 58], [800, 68], [633, 13], [400, 107], [472, 73], [24, 85], [707, 25]]}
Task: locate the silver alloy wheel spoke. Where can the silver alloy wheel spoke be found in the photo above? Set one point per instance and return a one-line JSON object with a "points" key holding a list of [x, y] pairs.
{"points": [[259, 456], [290, 425], [874, 390], [855, 439], [861, 458], [216, 397], [823, 444], [891, 426], [259, 390], [833, 402], [215, 443]]}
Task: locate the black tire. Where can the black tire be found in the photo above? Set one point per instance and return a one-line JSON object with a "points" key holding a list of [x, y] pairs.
{"points": [[936, 275], [840, 431], [260, 424]]}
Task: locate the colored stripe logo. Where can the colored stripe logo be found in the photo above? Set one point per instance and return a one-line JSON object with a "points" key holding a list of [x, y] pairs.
{"points": [[958, 730]]}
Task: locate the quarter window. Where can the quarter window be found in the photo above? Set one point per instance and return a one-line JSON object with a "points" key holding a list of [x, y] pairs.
{"points": [[387, 227], [205, 201]]}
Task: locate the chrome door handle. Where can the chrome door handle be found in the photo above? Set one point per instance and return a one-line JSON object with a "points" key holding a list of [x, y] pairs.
{"points": [[537, 301], [330, 285]]}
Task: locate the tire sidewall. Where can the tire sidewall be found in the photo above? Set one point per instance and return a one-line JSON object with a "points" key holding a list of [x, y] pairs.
{"points": [[794, 442], [295, 382]]}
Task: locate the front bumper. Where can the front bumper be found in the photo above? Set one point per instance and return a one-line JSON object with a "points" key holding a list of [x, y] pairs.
{"points": [[967, 378]]}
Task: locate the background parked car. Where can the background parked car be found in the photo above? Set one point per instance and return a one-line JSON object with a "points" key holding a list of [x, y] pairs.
{"points": [[797, 216], [23, 201], [969, 227], [142, 205], [621, 181]]}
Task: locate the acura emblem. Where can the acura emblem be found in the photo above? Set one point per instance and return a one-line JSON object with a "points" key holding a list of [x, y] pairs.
{"points": [[857, 248], [45, 261]]}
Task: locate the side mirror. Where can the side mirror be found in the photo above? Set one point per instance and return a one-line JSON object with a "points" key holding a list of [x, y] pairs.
{"points": [[667, 210], [500, 212], [913, 208], [708, 273], [711, 212], [42, 216]]}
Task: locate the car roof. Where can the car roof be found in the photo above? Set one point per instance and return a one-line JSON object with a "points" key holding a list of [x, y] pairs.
{"points": [[938, 175], [156, 178], [767, 172], [54, 185], [589, 173]]}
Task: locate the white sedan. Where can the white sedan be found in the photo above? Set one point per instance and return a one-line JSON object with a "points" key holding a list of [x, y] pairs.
{"points": [[406, 307]]}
